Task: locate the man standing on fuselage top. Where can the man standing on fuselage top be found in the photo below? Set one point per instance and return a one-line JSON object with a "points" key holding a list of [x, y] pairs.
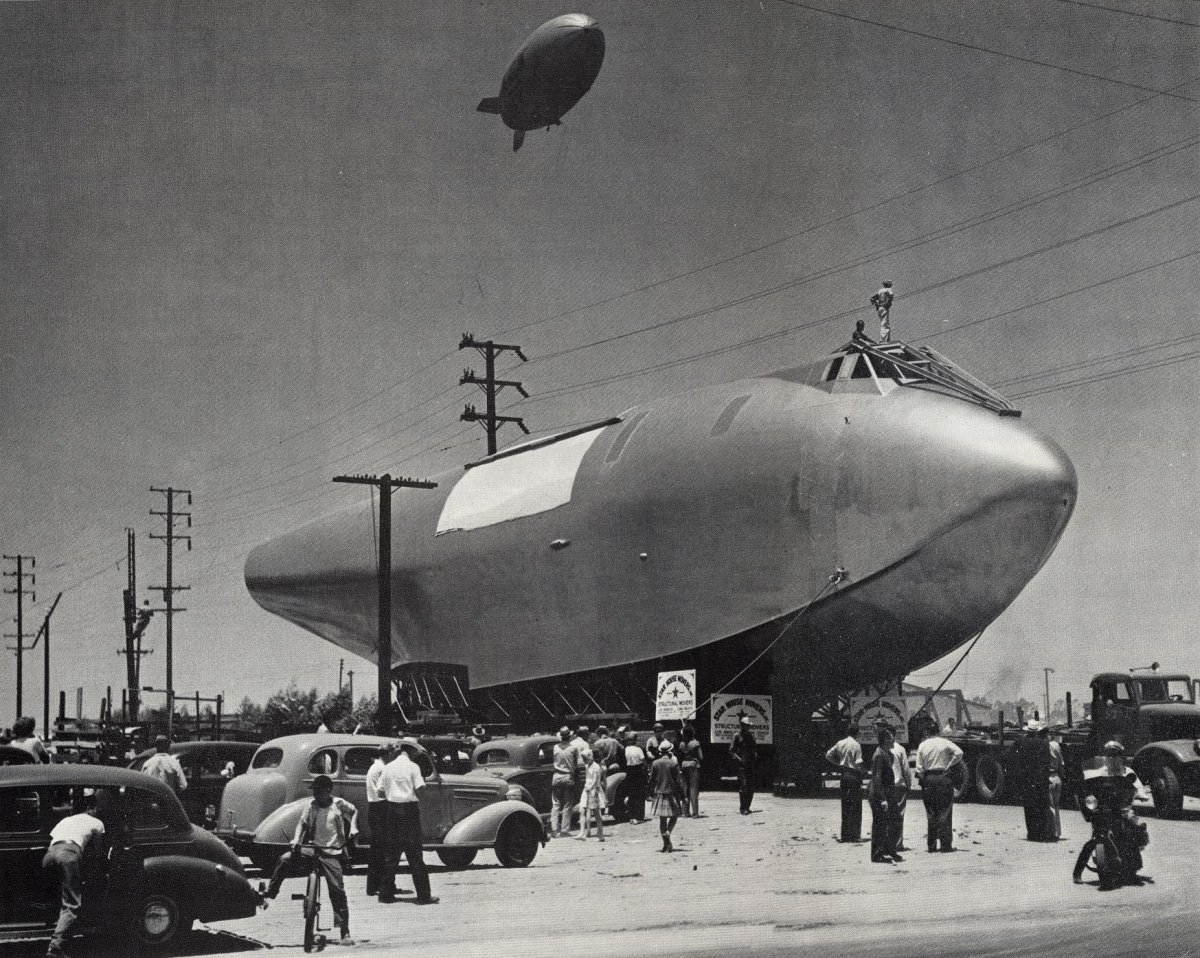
{"points": [[882, 301]]}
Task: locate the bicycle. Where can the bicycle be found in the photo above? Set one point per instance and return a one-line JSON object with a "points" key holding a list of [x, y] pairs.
{"points": [[313, 932]]}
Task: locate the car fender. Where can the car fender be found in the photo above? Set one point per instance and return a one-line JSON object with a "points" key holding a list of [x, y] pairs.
{"points": [[480, 828], [1173, 752], [611, 784], [203, 889], [279, 827]]}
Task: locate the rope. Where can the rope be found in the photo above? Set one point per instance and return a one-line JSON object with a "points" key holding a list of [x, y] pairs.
{"points": [[838, 575]]}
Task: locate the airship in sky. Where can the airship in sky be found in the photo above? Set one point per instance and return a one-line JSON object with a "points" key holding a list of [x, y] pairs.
{"points": [[551, 71], [898, 500]]}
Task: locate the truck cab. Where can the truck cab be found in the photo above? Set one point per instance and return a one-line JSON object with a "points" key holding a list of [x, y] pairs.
{"points": [[1155, 716]]}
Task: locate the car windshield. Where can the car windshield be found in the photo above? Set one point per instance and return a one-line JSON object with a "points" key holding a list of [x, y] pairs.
{"points": [[1166, 690], [267, 758]]}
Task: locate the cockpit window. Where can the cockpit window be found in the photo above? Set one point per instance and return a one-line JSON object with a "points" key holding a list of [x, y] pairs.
{"points": [[862, 369]]}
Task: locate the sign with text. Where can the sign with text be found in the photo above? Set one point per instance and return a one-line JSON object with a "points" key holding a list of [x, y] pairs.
{"points": [[676, 697], [870, 708], [727, 712]]}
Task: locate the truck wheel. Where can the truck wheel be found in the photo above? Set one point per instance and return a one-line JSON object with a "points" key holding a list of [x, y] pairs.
{"points": [[989, 779], [1168, 795], [517, 843], [456, 858], [962, 783]]}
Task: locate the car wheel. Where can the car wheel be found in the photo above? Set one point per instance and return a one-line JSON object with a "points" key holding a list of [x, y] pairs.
{"points": [[1168, 795], [457, 858], [517, 843], [989, 779], [158, 920]]}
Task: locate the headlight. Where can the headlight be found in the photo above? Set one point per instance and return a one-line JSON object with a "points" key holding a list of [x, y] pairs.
{"points": [[1196, 746], [515, 793], [1090, 803]]}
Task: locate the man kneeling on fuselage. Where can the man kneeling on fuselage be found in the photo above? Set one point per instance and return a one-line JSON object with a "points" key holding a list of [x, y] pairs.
{"points": [[330, 825]]}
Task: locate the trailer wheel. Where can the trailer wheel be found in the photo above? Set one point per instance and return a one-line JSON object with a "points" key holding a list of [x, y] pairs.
{"points": [[1168, 795], [962, 783], [989, 779]]}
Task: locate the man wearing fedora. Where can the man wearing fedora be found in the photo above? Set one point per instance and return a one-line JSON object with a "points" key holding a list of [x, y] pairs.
{"points": [[1032, 767]]}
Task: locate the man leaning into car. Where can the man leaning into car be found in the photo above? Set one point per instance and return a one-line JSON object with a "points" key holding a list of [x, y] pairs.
{"points": [[69, 841]]}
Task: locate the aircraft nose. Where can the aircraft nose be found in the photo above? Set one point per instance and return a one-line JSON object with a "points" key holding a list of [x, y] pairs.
{"points": [[948, 510]]}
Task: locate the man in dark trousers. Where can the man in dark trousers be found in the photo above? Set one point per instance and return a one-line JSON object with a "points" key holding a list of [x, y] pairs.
{"points": [[401, 781], [1032, 765], [70, 840], [377, 821], [881, 795], [846, 756], [744, 752], [938, 762]]}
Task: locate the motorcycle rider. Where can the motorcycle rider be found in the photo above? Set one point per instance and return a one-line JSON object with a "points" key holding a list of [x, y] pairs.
{"points": [[1112, 785]]}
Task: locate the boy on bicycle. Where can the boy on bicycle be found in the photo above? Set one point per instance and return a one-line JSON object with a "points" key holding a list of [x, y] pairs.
{"points": [[330, 824]]}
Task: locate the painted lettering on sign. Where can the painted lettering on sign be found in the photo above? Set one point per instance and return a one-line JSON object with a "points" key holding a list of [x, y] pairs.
{"points": [[728, 711], [676, 697]]}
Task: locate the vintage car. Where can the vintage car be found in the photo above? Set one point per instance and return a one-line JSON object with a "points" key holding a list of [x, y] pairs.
{"points": [[204, 766], [13, 755], [154, 874], [450, 755], [460, 814], [524, 762]]}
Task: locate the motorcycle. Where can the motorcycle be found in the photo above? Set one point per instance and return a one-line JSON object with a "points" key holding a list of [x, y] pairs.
{"points": [[1114, 852]]}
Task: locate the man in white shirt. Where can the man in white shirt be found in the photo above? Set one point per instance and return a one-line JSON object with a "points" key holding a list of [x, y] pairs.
{"points": [[882, 301], [165, 766], [938, 760], [846, 755], [377, 820], [69, 839], [401, 780], [562, 784], [902, 774]]}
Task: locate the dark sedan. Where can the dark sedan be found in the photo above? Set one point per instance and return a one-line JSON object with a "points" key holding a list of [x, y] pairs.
{"points": [[154, 874], [204, 767], [527, 762]]}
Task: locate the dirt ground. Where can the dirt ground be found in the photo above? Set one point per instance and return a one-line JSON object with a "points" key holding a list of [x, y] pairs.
{"points": [[774, 882]]}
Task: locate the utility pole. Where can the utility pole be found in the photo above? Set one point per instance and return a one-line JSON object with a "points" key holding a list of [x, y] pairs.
{"points": [[1048, 672], [19, 591], [341, 666], [351, 675], [136, 621], [491, 387], [44, 631], [383, 650], [170, 515]]}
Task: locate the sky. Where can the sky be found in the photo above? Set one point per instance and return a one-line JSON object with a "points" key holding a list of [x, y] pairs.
{"points": [[240, 241]]}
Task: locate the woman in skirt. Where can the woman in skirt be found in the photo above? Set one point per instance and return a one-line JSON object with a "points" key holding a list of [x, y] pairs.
{"points": [[667, 787]]}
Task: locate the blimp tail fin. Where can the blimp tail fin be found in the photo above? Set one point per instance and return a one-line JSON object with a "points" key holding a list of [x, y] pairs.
{"points": [[518, 139], [489, 104]]}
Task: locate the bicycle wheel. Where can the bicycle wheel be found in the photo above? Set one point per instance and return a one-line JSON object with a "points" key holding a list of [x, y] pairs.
{"points": [[312, 908]]}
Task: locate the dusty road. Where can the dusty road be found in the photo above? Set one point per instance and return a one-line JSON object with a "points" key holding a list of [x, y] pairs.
{"points": [[773, 883]]}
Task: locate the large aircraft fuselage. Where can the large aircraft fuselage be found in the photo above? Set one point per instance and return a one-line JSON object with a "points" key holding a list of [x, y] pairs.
{"points": [[695, 519]]}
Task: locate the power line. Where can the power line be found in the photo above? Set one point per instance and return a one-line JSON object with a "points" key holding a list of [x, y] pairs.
{"points": [[1128, 13]]}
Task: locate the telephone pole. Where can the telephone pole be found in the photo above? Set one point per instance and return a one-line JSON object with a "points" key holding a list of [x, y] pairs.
{"points": [[19, 591], [491, 387], [1048, 672], [171, 515], [383, 650], [136, 621], [44, 632]]}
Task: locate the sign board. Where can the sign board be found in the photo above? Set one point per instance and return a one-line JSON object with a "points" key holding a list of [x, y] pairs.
{"points": [[726, 713], [870, 708], [676, 696]]}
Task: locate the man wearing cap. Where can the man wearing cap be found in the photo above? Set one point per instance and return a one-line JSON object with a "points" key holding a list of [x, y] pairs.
{"points": [[165, 766], [1032, 766], [938, 761], [847, 757], [401, 780], [377, 819], [329, 825], [744, 752], [562, 784]]}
